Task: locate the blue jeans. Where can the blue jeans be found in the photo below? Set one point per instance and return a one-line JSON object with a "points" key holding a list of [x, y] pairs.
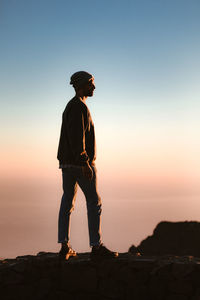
{"points": [[72, 176]]}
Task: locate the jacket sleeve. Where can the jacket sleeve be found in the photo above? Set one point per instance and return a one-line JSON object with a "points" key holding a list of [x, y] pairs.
{"points": [[76, 134]]}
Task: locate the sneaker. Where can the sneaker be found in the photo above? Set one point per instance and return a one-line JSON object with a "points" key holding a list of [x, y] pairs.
{"points": [[101, 252], [66, 252]]}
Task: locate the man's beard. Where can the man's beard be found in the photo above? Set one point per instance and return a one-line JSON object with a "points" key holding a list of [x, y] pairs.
{"points": [[90, 93]]}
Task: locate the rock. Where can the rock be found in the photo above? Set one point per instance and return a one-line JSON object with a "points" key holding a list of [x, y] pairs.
{"points": [[177, 297], [174, 238], [79, 277], [46, 277], [134, 250], [10, 277], [140, 293], [182, 270], [183, 287]]}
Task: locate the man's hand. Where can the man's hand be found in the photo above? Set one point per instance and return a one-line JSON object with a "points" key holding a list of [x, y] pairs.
{"points": [[87, 172]]}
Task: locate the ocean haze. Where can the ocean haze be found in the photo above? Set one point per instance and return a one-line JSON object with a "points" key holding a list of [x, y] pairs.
{"points": [[29, 216]]}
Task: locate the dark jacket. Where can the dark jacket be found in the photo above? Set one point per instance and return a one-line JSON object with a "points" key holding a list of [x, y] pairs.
{"points": [[77, 136]]}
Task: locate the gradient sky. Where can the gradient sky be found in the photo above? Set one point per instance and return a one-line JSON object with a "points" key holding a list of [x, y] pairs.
{"points": [[145, 57]]}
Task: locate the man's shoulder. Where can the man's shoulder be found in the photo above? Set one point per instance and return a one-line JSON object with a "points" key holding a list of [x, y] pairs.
{"points": [[75, 104]]}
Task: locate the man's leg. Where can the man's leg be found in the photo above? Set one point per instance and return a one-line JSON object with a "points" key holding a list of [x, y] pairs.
{"points": [[89, 187], [93, 201], [67, 204]]}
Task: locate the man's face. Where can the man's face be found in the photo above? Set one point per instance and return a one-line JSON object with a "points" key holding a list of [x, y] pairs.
{"points": [[88, 88]]}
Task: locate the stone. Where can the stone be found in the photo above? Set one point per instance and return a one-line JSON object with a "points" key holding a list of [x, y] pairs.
{"points": [[140, 293], [61, 295], [125, 275], [183, 287], [157, 287], [19, 267], [181, 270], [175, 238], [176, 297], [134, 250], [45, 276], [10, 277], [109, 288], [78, 277]]}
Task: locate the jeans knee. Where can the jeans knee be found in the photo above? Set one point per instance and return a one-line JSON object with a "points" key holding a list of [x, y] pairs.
{"points": [[95, 205], [67, 205]]}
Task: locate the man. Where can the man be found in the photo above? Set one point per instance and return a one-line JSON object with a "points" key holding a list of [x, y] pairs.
{"points": [[76, 155]]}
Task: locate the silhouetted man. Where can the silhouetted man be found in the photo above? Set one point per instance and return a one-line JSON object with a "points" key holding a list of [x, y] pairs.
{"points": [[76, 155]]}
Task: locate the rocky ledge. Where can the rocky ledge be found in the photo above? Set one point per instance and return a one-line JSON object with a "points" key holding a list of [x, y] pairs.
{"points": [[127, 277], [176, 238]]}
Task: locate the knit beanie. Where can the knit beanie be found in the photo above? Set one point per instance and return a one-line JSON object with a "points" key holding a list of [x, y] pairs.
{"points": [[78, 79]]}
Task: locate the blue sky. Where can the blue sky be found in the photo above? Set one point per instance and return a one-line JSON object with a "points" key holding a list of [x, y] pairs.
{"points": [[140, 52], [150, 45]]}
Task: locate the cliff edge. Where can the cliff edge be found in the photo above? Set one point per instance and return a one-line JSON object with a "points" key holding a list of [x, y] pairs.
{"points": [[128, 277], [147, 277]]}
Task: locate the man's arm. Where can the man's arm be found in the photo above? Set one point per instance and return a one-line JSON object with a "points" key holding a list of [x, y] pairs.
{"points": [[76, 132]]}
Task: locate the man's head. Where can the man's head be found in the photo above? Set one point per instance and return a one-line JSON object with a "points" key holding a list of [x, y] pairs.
{"points": [[83, 83]]}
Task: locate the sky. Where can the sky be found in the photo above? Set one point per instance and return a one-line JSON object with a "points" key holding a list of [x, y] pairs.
{"points": [[145, 57]]}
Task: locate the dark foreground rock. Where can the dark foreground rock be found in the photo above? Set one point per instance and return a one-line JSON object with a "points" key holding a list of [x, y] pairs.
{"points": [[128, 277], [174, 238]]}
